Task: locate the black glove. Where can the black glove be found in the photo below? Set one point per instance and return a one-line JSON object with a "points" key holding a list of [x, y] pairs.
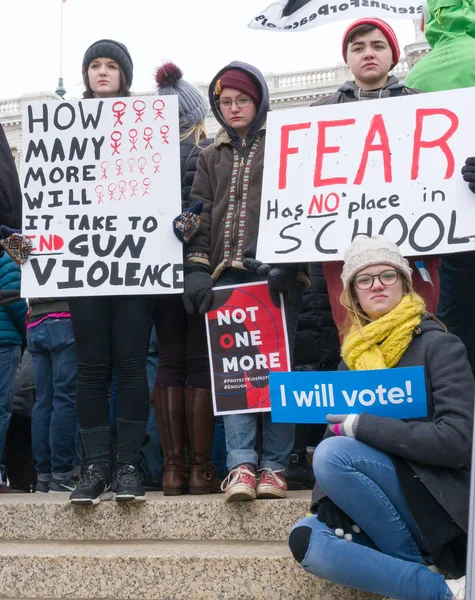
{"points": [[283, 279], [251, 264], [280, 278], [468, 172], [198, 294], [329, 513]]}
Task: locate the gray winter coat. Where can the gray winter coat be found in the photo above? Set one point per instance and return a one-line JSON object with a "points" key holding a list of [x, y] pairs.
{"points": [[438, 447]]}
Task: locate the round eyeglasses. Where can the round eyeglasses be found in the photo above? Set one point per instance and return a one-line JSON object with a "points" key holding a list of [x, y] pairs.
{"points": [[366, 281]]}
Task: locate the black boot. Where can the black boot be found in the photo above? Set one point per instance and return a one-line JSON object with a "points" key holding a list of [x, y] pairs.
{"points": [[299, 475]]}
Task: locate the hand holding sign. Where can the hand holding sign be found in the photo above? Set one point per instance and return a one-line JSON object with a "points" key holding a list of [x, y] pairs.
{"points": [[468, 172], [344, 425]]}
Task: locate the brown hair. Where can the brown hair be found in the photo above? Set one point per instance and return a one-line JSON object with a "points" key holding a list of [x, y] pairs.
{"points": [[354, 313], [357, 32], [123, 87]]}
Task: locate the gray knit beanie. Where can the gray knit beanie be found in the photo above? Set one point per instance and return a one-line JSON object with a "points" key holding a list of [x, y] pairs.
{"points": [[367, 251], [114, 50], [192, 105]]}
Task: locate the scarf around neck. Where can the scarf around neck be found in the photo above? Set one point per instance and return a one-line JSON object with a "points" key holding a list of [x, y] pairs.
{"points": [[381, 343]]}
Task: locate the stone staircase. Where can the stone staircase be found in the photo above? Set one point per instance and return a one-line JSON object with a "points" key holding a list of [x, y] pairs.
{"points": [[175, 548]]}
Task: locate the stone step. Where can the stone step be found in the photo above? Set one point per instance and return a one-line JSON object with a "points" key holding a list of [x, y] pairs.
{"points": [[165, 570], [52, 517]]}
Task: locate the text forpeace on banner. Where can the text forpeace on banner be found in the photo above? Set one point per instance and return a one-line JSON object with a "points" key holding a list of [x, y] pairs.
{"points": [[305, 397], [389, 167], [300, 15], [101, 186], [247, 339]]}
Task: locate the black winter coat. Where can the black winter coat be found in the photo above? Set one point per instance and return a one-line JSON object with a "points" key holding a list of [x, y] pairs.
{"points": [[10, 192], [189, 153], [317, 346]]}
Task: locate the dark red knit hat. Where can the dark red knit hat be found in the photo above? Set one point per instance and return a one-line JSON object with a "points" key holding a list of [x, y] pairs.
{"points": [[239, 80], [382, 26]]}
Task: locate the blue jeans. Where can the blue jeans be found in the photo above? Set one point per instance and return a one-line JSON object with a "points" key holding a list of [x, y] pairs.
{"points": [[241, 430], [9, 360], [54, 422], [389, 556]]}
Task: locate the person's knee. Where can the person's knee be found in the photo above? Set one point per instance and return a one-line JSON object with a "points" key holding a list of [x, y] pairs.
{"points": [[330, 457], [299, 542]]}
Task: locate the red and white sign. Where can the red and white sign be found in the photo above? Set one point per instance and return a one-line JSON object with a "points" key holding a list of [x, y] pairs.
{"points": [[389, 166], [247, 339], [101, 187]]}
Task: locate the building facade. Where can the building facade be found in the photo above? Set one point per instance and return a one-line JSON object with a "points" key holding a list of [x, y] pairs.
{"points": [[287, 90]]}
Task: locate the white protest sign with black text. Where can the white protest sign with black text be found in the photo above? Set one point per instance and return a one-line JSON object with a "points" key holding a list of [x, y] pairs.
{"points": [[101, 186], [388, 167], [299, 15]]}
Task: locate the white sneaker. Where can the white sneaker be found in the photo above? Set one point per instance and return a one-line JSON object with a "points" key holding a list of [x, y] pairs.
{"points": [[457, 587]]}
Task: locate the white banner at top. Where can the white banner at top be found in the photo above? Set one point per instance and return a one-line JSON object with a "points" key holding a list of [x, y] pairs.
{"points": [[299, 15]]}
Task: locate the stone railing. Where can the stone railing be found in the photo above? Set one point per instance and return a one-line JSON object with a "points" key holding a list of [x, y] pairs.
{"points": [[13, 106]]}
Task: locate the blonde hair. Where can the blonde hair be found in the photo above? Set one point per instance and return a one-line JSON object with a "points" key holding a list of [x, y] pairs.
{"points": [[198, 130], [355, 315]]}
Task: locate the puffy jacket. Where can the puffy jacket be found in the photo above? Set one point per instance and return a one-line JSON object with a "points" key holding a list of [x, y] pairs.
{"points": [[317, 346], [450, 30], [189, 153], [12, 318]]}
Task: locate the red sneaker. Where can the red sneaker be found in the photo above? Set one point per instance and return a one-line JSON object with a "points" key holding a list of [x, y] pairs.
{"points": [[239, 485], [271, 484]]}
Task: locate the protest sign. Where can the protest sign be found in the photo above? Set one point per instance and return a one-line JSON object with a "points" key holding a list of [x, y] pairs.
{"points": [[306, 397], [388, 167], [299, 15], [101, 186], [247, 339]]}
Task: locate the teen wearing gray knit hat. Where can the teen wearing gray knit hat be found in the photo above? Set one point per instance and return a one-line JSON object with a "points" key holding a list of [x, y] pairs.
{"points": [[367, 251], [192, 105], [114, 50]]}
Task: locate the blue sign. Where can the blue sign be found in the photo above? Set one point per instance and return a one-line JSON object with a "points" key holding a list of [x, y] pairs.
{"points": [[307, 397]]}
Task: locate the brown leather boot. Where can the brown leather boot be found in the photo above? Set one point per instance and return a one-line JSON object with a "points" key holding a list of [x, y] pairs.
{"points": [[169, 404], [200, 431]]}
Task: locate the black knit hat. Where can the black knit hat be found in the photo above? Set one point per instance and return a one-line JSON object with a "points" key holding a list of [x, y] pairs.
{"points": [[114, 50]]}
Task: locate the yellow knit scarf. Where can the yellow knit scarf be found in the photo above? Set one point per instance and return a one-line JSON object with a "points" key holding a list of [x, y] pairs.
{"points": [[380, 344]]}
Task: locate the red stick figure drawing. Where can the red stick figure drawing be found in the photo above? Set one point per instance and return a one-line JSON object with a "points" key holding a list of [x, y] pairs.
{"points": [[119, 164], [147, 136], [139, 107], [99, 193], [157, 159], [133, 186], [131, 163], [146, 185], [122, 185], [142, 162], [118, 108], [112, 188], [104, 167], [164, 129], [133, 135], [116, 137], [158, 106]]}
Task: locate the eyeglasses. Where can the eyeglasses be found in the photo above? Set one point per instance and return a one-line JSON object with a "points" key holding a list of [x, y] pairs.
{"points": [[366, 281], [240, 103]]}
